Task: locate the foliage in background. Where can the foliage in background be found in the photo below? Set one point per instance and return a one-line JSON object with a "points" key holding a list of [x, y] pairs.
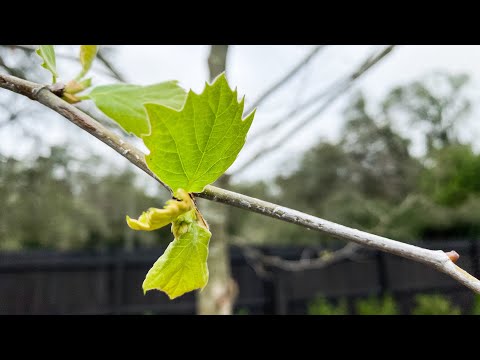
{"points": [[452, 175], [377, 306], [54, 202], [370, 178], [476, 305], [434, 305], [425, 304], [242, 311], [321, 306]]}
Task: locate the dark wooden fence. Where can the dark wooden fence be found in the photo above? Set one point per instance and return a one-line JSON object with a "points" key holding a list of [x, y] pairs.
{"points": [[110, 283]]}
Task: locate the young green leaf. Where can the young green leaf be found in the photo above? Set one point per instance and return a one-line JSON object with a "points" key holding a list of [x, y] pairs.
{"points": [[191, 147], [87, 55], [124, 103], [183, 265], [47, 53], [154, 219]]}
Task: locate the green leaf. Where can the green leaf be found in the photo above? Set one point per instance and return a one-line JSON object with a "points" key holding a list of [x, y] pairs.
{"points": [[47, 53], [87, 55], [124, 103], [183, 265], [192, 147], [154, 218]]}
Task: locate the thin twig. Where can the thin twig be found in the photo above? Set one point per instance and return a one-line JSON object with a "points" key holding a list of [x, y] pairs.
{"points": [[9, 69], [285, 79], [113, 71], [261, 260], [333, 88], [435, 258], [334, 92], [258, 260]]}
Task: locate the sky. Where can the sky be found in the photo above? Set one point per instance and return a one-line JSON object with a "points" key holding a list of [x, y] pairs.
{"points": [[252, 69]]}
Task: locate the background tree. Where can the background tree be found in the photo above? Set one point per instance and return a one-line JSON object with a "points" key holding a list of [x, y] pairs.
{"points": [[371, 179], [435, 104], [54, 202]]}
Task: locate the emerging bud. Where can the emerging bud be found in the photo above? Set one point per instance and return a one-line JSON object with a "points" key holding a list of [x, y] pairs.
{"points": [[154, 218]]}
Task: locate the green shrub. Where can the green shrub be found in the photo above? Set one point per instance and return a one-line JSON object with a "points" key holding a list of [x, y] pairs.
{"points": [[321, 306], [242, 311], [476, 306], [377, 306], [434, 305]]}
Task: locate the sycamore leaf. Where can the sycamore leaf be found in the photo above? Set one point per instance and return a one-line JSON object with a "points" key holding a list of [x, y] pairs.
{"points": [[183, 265], [87, 55], [193, 146], [124, 103], [47, 53], [154, 219]]}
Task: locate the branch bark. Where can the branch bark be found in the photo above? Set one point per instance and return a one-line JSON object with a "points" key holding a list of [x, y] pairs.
{"points": [[435, 258], [261, 260]]}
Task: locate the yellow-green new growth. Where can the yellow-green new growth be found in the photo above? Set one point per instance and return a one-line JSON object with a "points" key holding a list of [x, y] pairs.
{"points": [[154, 218], [183, 266], [87, 55], [190, 147], [47, 53]]}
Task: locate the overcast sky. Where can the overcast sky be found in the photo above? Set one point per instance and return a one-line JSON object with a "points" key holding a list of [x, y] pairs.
{"points": [[252, 69]]}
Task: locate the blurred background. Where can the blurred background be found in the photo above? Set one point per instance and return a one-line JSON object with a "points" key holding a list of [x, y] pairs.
{"points": [[379, 138]]}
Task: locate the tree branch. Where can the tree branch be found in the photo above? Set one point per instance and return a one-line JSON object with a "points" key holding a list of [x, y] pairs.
{"points": [[113, 71], [333, 93], [285, 78], [333, 88], [435, 258], [10, 69], [261, 260]]}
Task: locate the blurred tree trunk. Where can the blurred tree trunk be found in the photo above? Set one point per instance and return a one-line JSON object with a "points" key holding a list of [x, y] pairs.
{"points": [[219, 295]]}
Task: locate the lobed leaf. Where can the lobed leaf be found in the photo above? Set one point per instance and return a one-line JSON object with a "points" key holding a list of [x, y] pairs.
{"points": [[193, 146]]}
